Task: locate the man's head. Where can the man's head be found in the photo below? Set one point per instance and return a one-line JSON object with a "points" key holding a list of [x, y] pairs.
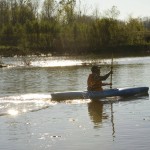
{"points": [[95, 69]]}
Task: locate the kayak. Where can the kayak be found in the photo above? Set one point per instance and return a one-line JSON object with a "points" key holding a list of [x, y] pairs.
{"points": [[123, 92]]}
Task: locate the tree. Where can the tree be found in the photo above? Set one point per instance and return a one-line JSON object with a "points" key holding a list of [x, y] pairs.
{"points": [[67, 11], [7, 36], [135, 31], [4, 13], [113, 13], [100, 33], [48, 10]]}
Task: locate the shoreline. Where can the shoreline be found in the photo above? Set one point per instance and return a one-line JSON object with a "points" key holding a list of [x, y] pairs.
{"points": [[141, 50]]}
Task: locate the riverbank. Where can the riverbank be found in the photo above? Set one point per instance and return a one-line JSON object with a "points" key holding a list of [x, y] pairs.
{"points": [[127, 50]]}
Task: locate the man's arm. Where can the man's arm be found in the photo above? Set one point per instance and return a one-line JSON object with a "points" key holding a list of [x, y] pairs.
{"points": [[105, 76]]}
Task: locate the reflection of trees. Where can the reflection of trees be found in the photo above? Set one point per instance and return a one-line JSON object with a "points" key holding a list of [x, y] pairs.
{"points": [[95, 109]]}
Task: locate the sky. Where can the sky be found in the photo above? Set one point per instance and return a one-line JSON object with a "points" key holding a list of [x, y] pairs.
{"points": [[133, 8]]}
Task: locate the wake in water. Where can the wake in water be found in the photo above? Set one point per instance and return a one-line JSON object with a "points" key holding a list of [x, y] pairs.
{"points": [[18, 104]]}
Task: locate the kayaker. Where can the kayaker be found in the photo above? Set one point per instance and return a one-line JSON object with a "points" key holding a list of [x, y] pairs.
{"points": [[94, 81]]}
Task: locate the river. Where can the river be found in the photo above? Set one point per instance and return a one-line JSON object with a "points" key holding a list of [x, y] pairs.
{"points": [[30, 120]]}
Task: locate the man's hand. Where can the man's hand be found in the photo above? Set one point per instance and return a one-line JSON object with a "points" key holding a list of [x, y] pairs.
{"points": [[111, 72]]}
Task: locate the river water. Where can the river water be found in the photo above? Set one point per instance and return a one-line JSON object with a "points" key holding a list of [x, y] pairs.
{"points": [[30, 120]]}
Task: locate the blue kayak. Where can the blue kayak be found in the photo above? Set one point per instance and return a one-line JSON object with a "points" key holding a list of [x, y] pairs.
{"points": [[123, 92]]}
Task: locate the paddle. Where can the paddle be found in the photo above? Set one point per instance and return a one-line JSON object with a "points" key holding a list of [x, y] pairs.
{"points": [[112, 112], [111, 70]]}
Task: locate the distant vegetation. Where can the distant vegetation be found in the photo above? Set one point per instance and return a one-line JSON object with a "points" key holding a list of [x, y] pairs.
{"points": [[61, 28]]}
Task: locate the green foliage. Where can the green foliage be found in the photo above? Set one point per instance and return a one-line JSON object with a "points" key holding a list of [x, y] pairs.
{"points": [[59, 28], [67, 11], [4, 13], [104, 33], [7, 35], [135, 30]]}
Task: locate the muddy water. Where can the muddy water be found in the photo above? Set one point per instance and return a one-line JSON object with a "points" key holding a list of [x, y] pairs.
{"points": [[30, 120]]}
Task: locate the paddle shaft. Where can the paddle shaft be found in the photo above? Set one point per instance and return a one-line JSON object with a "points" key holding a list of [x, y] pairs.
{"points": [[111, 71]]}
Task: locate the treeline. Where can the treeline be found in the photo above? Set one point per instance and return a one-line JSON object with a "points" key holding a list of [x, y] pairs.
{"points": [[29, 27]]}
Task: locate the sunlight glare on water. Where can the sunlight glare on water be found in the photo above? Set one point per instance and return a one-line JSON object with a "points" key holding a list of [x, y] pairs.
{"points": [[132, 60], [14, 105], [30, 119], [13, 112], [67, 61], [79, 101], [56, 63]]}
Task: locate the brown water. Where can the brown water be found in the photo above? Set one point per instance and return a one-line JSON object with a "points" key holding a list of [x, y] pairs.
{"points": [[30, 120]]}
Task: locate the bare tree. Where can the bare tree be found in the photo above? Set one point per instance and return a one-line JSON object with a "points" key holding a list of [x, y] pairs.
{"points": [[112, 13]]}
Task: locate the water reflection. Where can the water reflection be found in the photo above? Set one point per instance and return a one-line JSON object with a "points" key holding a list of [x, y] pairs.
{"points": [[97, 115], [95, 110], [123, 120], [112, 121]]}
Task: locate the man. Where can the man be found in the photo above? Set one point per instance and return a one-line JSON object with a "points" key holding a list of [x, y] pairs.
{"points": [[94, 81]]}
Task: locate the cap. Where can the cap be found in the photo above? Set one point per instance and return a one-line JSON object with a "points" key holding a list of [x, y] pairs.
{"points": [[95, 68]]}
